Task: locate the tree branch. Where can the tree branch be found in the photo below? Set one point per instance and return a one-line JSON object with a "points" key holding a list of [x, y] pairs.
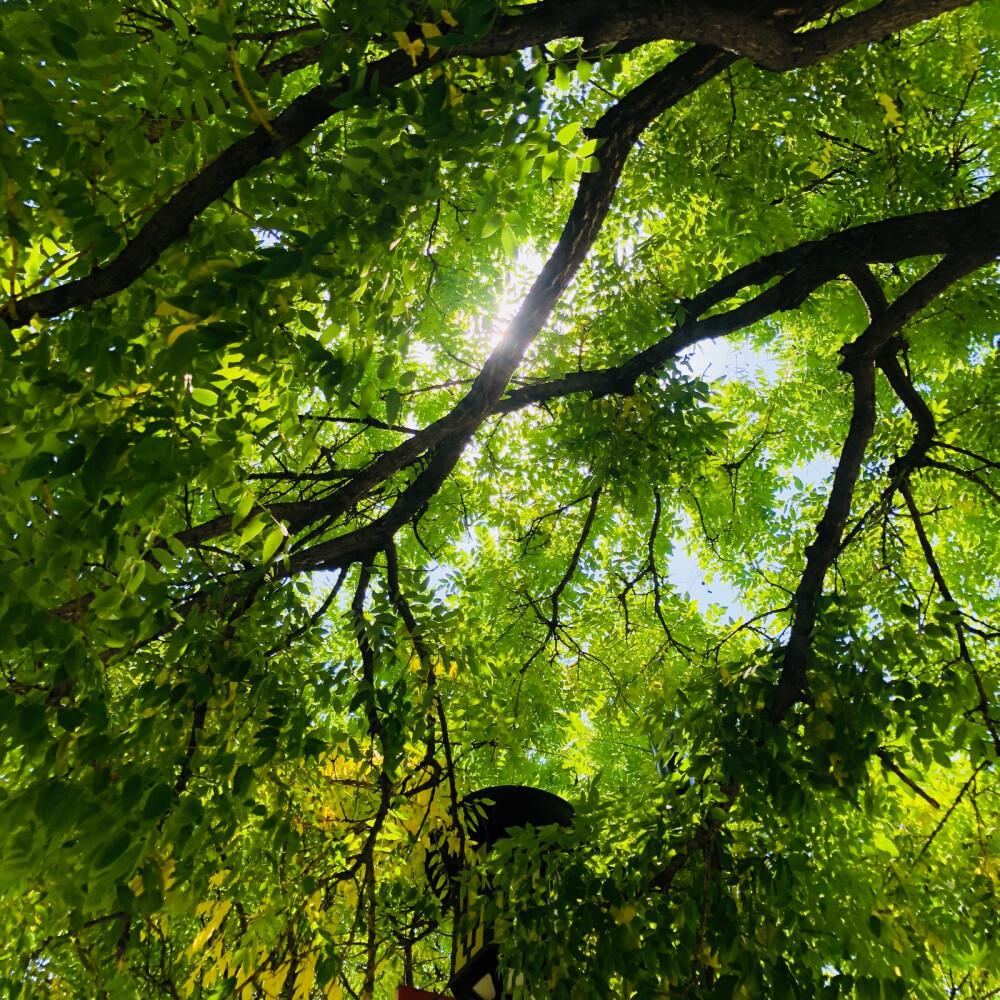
{"points": [[446, 438], [731, 33], [983, 706], [893, 768], [859, 358], [859, 361], [804, 268], [821, 553]]}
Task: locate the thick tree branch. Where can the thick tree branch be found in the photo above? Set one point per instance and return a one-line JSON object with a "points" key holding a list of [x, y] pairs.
{"points": [[872, 25], [767, 41], [821, 553], [813, 266], [802, 268], [446, 438], [859, 361], [869, 288], [923, 419], [770, 42]]}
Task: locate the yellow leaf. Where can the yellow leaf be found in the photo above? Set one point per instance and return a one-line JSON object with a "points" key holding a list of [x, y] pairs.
{"points": [[166, 308], [210, 928], [333, 992], [449, 18], [936, 943], [218, 878], [167, 871], [305, 977], [430, 29], [838, 772], [177, 331], [412, 49], [271, 982], [892, 116]]}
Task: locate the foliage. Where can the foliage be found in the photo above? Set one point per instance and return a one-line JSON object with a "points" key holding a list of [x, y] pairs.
{"points": [[353, 435]]}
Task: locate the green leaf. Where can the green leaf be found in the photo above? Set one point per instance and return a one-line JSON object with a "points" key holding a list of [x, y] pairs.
{"points": [[112, 851], [206, 397], [491, 225], [567, 133], [386, 366], [368, 398], [281, 264], [242, 780], [158, 801], [7, 342], [57, 806], [40, 466], [253, 529], [549, 163], [271, 544], [392, 404], [243, 508], [211, 28], [990, 14]]}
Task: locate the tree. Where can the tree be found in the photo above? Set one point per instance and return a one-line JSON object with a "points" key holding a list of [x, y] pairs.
{"points": [[351, 438]]}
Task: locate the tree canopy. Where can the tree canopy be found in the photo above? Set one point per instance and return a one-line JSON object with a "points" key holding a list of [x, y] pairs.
{"points": [[370, 374]]}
